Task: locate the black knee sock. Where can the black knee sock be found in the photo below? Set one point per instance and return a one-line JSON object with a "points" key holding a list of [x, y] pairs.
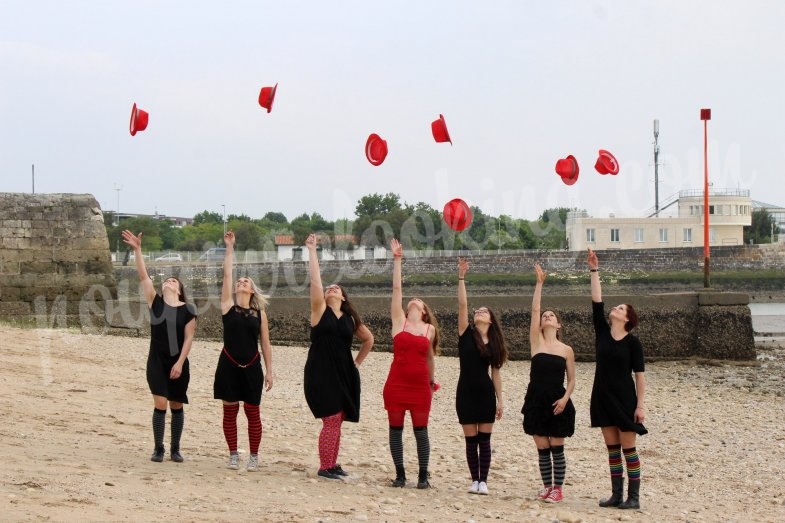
{"points": [[546, 470], [396, 447], [559, 465], [159, 425], [484, 440], [423, 450], [178, 422], [472, 457]]}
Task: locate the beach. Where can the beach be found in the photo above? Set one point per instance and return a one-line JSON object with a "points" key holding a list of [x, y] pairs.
{"points": [[76, 439]]}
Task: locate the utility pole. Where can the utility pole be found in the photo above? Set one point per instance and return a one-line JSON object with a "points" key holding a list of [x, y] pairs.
{"points": [[33, 178], [656, 169], [706, 116], [117, 188]]}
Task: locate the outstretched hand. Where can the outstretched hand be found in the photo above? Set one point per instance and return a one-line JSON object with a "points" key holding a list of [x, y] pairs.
{"points": [[229, 238], [310, 241], [396, 248], [463, 266], [541, 274], [592, 260], [135, 242]]}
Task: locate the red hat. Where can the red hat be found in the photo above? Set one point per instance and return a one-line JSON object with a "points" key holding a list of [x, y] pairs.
{"points": [[376, 149], [457, 214], [606, 163], [568, 169], [139, 119], [266, 97], [439, 130]]}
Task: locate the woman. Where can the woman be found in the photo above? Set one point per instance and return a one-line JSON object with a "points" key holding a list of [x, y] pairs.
{"points": [[548, 412], [478, 398], [239, 377], [332, 378], [172, 328], [616, 400], [410, 383]]}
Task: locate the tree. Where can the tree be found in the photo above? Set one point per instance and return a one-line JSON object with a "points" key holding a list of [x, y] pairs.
{"points": [[276, 217], [207, 217], [759, 231]]}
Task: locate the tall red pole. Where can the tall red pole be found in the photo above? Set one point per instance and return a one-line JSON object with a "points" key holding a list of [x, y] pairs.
{"points": [[706, 116]]}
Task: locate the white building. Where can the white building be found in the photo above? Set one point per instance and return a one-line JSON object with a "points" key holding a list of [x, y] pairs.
{"points": [[730, 210]]}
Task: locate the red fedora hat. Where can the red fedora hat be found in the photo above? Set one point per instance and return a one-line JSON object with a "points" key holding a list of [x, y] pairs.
{"points": [[457, 214], [139, 119], [439, 130], [376, 149], [606, 163], [568, 169], [267, 96]]}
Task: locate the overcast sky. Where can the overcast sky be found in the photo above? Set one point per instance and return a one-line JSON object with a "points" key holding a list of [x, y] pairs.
{"points": [[520, 84]]}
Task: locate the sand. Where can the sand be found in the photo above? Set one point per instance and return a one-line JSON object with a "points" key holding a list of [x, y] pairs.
{"points": [[76, 438]]}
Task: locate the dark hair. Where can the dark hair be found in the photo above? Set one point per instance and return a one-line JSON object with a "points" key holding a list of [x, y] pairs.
{"points": [[558, 331], [632, 318], [348, 308], [496, 348]]}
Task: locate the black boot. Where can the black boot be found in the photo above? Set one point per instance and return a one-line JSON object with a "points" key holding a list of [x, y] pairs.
{"points": [[633, 500], [400, 477], [158, 454], [422, 480], [617, 491]]}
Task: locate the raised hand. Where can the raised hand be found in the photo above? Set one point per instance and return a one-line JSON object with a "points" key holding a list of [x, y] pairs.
{"points": [[463, 266], [396, 248], [135, 242], [229, 238], [592, 260], [310, 241], [541, 274]]}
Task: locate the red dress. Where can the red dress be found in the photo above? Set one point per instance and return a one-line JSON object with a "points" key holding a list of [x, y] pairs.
{"points": [[408, 385]]}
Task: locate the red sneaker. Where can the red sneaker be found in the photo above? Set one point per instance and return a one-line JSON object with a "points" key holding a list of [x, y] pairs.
{"points": [[542, 495], [555, 496]]}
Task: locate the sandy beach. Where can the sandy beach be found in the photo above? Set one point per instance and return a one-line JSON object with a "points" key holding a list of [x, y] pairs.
{"points": [[76, 438]]}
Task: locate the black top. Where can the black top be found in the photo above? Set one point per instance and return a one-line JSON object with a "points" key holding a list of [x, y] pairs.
{"points": [[613, 395], [167, 327], [241, 333], [475, 396], [546, 386]]}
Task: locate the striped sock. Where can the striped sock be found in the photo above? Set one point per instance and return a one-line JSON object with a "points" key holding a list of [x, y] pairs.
{"points": [[230, 425], [423, 450], [546, 469], [159, 425], [396, 446], [254, 427], [484, 440], [633, 464], [472, 457], [559, 465], [178, 422], [614, 461]]}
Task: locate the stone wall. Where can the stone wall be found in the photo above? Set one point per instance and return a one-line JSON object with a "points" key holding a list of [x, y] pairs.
{"points": [[54, 250]]}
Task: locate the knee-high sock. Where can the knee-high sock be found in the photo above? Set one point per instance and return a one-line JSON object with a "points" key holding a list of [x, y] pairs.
{"points": [[396, 446], [178, 422], [230, 425], [423, 448], [254, 427], [559, 465], [159, 425], [329, 439], [633, 464], [337, 445], [546, 469], [472, 457], [614, 461], [484, 440]]}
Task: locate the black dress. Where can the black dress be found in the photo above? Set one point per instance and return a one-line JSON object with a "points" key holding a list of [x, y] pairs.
{"points": [[475, 397], [239, 375], [546, 386], [331, 379], [167, 334], [613, 396]]}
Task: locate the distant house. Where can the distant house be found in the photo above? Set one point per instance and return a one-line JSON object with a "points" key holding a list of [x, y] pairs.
{"points": [[775, 211], [284, 245]]}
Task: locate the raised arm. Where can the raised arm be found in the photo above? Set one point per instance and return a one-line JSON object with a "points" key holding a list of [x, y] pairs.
{"points": [[594, 266], [227, 301], [267, 350], [397, 315], [318, 305], [534, 326], [463, 302], [135, 242]]}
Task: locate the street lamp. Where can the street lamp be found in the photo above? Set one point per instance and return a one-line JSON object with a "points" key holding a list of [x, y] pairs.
{"points": [[118, 188], [224, 217], [705, 116]]}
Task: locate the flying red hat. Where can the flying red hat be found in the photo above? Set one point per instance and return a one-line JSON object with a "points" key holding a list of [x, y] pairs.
{"points": [[568, 169], [457, 214], [376, 149], [139, 119], [606, 163], [439, 130], [267, 96]]}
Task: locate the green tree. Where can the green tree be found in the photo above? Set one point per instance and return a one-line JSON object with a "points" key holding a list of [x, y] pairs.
{"points": [[759, 231], [207, 217], [276, 217]]}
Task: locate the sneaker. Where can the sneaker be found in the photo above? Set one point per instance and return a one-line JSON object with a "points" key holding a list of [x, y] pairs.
{"points": [[482, 488], [325, 473], [158, 454], [399, 482], [176, 456], [475, 486], [555, 496], [253, 463], [234, 461], [544, 492], [338, 471]]}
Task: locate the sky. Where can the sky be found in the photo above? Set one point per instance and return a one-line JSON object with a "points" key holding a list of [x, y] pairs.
{"points": [[520, 84]]}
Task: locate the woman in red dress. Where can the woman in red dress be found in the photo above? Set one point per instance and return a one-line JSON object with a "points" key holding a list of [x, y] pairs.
{"points": [[410, 383]]}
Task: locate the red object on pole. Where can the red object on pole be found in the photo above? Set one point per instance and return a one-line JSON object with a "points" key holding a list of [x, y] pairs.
{"points": [[706, 116]]}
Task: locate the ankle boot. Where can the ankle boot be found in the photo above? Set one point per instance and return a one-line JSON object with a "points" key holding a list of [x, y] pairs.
{"points": [[400, 477], [633, 491], [617, 492], [422, 480]]}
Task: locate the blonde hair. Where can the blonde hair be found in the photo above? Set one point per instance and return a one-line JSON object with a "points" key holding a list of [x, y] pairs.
{"points": [[259, 301]]}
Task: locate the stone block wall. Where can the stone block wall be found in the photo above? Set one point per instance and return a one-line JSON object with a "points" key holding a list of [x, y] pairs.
{"points": [[54, 250]]}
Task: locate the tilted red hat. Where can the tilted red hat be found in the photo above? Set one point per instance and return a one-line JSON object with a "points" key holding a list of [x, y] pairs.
{"points": [[139, 119], [267, 96], [606, 163], [439, 130], [568, 169], [376, 149], [457, 214]]}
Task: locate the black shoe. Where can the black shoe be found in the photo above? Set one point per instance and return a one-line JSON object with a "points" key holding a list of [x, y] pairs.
{"points": [[338, 471], [324, 473], [158, 454], [399, 482], [176, 456], [422, 480]]}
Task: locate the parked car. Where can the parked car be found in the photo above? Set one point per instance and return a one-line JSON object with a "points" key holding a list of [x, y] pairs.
{"points": [[214, 254], [171, 257], [132, 257]]}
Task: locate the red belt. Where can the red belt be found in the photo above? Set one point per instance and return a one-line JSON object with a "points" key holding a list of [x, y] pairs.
{"points": [[255, 357]]}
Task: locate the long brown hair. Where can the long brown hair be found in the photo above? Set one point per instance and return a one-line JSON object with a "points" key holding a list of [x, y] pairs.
{"points": [[430, 317], [496, 349], [348, 308]]}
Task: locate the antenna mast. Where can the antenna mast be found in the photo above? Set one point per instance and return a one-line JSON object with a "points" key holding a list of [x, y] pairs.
{"points": [[656, 169]]}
